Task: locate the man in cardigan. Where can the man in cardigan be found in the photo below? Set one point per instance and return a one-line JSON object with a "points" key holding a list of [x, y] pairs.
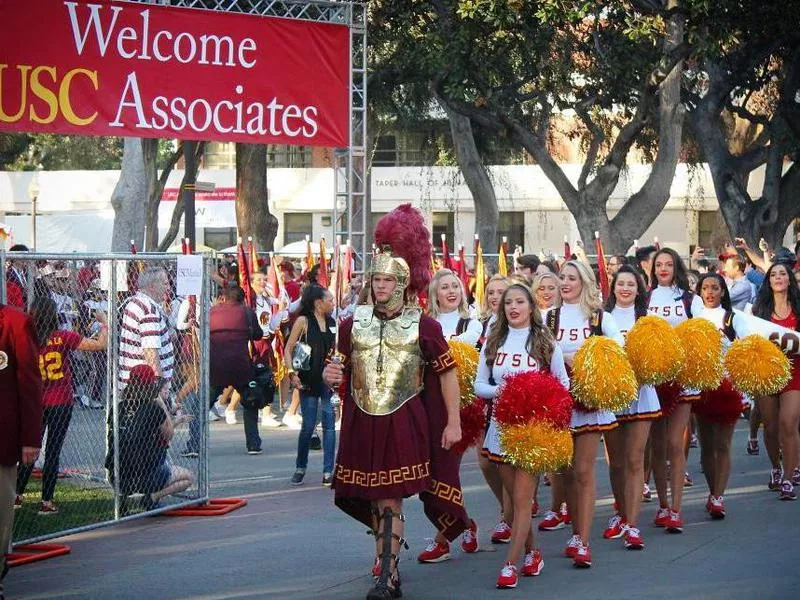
{"points": [[20, 413]]}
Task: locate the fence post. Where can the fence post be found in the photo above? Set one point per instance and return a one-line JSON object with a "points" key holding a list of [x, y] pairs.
{"points": [[3, 293], [113, 306], [204, 383]]}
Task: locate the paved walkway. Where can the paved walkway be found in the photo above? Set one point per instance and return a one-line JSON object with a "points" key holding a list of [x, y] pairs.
{"points": [[291, 542]]}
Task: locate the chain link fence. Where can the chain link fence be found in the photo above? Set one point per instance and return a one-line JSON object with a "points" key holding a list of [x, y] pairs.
{"points": [[124, 363]]}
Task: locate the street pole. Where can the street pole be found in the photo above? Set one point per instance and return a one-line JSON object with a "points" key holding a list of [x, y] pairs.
{"points": [[33, 222], [188, 191]]}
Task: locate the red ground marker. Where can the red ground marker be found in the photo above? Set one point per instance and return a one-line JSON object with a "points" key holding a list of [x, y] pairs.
{"points": [[213, 508], [28, 553]]}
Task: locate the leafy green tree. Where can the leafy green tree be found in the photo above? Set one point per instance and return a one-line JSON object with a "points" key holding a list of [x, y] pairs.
{"points": [[515, 68]]}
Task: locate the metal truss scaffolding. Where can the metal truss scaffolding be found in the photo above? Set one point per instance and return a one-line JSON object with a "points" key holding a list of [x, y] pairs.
{"points": [[350, 165]]}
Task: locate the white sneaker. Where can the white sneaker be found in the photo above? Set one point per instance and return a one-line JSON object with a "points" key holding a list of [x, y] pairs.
{"points": [[270, 421], [212, 416], [230, 417], [291, 421]]}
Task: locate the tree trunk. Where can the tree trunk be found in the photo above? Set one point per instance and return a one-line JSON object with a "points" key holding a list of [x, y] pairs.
{"points": [[476, 176], [252, 208], [129, 198], [178, 211], [150, 159]]}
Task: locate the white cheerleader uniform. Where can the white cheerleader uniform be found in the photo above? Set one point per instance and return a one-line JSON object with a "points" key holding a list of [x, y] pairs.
{"points": [[449, 322], [668, 303], [512, 357], [646, 405], [573, 330]]}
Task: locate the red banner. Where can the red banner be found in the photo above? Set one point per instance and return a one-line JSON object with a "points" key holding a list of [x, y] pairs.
{"points": [[143, 70]]}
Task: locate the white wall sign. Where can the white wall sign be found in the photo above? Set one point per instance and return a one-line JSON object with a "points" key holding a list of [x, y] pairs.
{"points": [[190, 275]]}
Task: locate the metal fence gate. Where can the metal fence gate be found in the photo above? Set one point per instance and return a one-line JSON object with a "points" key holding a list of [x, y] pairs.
{"points": [[118, 443]]}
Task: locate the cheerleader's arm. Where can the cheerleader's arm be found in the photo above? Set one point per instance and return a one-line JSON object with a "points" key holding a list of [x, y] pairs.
{"points": [[611, 329], [472, 334], [482, 387], [557, 367]]}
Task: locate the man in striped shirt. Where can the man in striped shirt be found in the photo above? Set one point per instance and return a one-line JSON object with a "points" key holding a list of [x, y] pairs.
{"points": [[145, 337]]}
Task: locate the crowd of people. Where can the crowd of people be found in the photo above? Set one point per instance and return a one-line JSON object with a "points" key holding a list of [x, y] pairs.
{"points": [[538, 318]]}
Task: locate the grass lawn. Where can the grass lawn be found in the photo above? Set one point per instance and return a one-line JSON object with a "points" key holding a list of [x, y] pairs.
{"points": [[79, 503]]}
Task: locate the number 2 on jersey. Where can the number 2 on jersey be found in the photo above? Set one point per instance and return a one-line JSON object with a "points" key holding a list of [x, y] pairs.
{"points": [[50, 366]]}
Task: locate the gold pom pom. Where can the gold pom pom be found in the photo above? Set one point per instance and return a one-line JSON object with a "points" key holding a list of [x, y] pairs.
{"points": [[602, 376], [536, 446], [702, 343], [654, 350], [757, 367], [466, 359]]}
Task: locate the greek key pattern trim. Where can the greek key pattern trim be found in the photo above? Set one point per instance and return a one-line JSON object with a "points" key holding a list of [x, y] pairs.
{"points": [[383, 478], [447, 492], [443, 363]]}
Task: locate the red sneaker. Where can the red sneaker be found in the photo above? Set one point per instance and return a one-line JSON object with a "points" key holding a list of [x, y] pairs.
{"points": [[469, 540], [662, 517], [48, 508], [675, 522], [565, 514], [708, 503], [435, 552], [583, 557], [716, 508], [534, 563], [647, 495], [551, 521], [573, 544], [508, 576], [775, 478], [376, 568], [615, 528], [534, 509], [501, 533], [787, 491], [633, 539], [18, 502]]}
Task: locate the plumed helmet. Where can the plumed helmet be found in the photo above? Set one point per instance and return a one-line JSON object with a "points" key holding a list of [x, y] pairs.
{"points": [[404, 248]]}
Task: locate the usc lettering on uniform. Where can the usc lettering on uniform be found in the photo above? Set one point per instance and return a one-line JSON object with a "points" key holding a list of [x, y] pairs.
{"points": [[515, 360], [668, 311], [573, 335]]}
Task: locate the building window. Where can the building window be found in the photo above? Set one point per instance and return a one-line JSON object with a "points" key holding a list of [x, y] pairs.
{"points": [[288, 157], [385, 151], [512, 226], [219, 238], [296, 226], [444, 223], [708, 222]]}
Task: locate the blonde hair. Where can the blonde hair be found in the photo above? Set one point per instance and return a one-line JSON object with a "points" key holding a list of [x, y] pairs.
{"points": [[433, 288], [537, 283], [590, 300], [484, 311]]}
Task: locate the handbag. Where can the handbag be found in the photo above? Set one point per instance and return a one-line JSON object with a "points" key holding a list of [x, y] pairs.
{"points": [[301, 354]]}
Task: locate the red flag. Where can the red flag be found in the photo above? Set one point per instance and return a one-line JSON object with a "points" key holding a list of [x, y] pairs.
{"points": [[447, 261], [308, 263], [275, 280], [322, 274], [601, 266], [567, 249], [133, 270], [244, 275], [252, 257], [462, 268]]}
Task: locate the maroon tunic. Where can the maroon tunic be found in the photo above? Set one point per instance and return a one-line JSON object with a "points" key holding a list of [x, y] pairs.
{"points": [[400, 454]]}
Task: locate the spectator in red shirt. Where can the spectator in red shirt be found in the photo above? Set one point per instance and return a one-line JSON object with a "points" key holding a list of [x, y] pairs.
{"points": [[20, 413], [16, 280], [55, 347], [290, 283]]}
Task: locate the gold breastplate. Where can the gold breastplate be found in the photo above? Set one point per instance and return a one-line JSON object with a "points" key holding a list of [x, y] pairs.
{"points": [[386, 360]]}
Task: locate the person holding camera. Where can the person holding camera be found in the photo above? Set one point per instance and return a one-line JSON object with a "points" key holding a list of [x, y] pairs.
{"points": [[233, 326], [309, 343]]}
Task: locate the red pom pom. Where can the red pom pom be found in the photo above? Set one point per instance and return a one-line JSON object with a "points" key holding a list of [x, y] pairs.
{"points": [[533, 395], [473, 425], [723, 405], [669, 395]]}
